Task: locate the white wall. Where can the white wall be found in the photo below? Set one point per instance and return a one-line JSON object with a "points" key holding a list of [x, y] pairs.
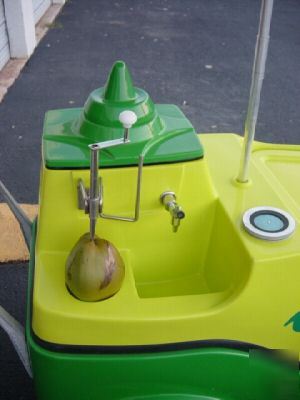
{"points": [[21, 17], [20, 27], [4, 45]]}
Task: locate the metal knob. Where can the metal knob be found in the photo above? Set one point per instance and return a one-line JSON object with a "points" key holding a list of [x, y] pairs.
{"points": [[168, 199], [127, 118]]}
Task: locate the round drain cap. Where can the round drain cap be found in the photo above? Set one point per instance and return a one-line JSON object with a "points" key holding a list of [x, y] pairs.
{"points": [[268, 223]]}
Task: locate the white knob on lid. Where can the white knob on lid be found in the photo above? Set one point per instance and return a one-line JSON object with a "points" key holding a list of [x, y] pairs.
{"points": [[127, 118]]}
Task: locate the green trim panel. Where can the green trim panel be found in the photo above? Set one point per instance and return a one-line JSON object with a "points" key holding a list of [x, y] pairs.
{"points": [[205, 374]]}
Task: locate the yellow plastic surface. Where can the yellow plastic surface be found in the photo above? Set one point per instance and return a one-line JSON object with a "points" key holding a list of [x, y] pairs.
{"points": [[210, 280]]}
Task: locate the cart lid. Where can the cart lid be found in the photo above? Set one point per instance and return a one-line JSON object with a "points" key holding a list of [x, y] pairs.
{"points": [[162, 129]]}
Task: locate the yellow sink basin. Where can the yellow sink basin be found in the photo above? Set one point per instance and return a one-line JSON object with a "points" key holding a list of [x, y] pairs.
{"points": [[196, 261]]}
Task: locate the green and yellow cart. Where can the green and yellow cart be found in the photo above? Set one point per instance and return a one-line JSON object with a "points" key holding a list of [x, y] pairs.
{"points": [[211, 256]]}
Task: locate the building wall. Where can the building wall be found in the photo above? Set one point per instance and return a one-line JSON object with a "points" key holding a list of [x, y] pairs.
{"points": [[4, 45], [39, 8], [17, 26]]}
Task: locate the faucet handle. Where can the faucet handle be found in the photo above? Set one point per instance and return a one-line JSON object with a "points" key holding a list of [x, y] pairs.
{"points": [[168, 199], [127, 118], [177, 214]]}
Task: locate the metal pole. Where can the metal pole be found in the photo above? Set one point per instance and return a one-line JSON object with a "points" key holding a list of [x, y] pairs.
{"points": [[258, 72], [94, 189]]}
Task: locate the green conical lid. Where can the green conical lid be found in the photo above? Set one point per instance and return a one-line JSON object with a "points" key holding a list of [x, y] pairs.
{"points": [[119, 85], [161, 130], [99, 120]]}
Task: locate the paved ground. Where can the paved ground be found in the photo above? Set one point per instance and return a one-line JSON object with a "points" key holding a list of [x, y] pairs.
{"points": [[194, 53]]}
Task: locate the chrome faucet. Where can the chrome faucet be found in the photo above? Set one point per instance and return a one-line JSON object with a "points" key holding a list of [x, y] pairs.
{"points": [[168, 199]]}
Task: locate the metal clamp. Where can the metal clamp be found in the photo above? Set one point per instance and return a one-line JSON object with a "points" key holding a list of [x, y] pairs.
{"points": [[91, 200], [84, 202]]}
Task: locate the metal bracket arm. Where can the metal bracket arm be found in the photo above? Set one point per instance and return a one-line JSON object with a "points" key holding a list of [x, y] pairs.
{"points": [[83, 197]]}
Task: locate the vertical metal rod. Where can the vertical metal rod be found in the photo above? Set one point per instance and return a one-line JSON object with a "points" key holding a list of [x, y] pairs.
{"points": [[258, 72], [94, 190], [137, 197], [126, 135], [138, 188], [16, 334]]}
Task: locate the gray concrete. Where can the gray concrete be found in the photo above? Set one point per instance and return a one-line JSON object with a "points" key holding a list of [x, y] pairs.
{"points": [[168, 46]]}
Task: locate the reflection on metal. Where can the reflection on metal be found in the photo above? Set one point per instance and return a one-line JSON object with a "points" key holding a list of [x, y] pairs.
{"points": [[15, 332], [94, 198], [82, 196], [261, 51], [168, 199]]}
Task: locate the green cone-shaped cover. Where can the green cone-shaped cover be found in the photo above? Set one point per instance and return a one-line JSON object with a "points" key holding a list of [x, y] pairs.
{"points": [[67, 133], [100, 117], [119, 87]]}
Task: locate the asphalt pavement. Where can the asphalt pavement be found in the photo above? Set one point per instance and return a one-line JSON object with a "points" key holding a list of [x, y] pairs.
{"points": [[194, 53]]}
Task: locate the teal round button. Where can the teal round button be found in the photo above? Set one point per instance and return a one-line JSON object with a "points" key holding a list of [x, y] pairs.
{"points": [[268, 222]]}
